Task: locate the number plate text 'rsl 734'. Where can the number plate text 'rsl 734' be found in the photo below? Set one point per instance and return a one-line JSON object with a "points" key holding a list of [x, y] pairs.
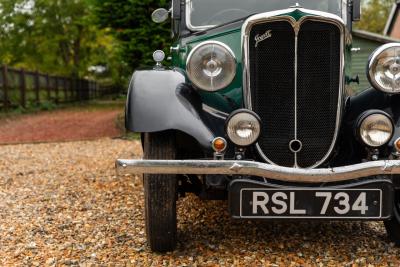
{"points": [[310, 203]]}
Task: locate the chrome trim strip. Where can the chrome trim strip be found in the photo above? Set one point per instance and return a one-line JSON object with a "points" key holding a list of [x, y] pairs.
{"points": [[252, 168], [296, 66], [390, 20], [270, 16], [189, 23], [280, 16], [191, 27], [215, 112]]}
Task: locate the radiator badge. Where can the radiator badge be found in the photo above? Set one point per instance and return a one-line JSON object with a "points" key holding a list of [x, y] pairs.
{"points": [[262, 37]]}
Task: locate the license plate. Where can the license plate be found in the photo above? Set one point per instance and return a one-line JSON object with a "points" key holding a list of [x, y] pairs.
{"points": [[310, 203]]}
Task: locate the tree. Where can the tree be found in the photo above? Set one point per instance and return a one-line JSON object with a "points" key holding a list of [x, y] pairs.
{"points": [[374, 15], [130, 22], [55, 36]]}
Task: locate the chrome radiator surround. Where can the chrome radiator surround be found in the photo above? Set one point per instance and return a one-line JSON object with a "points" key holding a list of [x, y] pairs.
{"points": [[283, 16]]}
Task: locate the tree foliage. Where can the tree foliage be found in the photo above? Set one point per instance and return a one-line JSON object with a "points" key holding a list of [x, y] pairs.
{"points": [[374, 15], [55, 36], [130, 21], [68, 36]]}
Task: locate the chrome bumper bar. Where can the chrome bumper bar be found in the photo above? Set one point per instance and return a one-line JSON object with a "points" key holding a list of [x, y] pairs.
{"points": [[232, 167]]}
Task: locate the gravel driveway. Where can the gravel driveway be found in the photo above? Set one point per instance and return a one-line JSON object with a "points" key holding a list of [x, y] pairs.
{"points": [[61, 204]]}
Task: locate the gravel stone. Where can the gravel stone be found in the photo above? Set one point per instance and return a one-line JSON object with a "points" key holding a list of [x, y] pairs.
{"points": [[61, 204]]}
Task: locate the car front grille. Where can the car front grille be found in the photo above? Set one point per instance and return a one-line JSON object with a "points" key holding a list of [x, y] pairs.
{"points": [[295, 89]]}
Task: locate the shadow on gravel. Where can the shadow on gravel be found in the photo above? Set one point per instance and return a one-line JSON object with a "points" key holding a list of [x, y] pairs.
{"points": [[206, 228]]}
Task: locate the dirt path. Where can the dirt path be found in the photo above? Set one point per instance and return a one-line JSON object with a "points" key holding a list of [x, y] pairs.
{"points": [[61, 125]]}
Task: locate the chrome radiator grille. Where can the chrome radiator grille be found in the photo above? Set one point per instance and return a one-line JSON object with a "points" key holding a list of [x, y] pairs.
{"points": [[295, 82]]}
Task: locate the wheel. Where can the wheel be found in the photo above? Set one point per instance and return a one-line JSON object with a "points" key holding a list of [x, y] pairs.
{"points": [[160, 192], [393, 225]]}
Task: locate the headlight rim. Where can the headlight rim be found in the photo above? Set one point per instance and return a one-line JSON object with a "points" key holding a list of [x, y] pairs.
{"points": [[372, 58], [195, 48], [234, 113], [363, 117]]}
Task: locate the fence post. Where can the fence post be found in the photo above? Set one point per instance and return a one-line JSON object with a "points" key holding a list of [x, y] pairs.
{"points": [[87, 94], [80, 88], [71, 89], [56, 88], [95, 90], [91, 90], [83, 89], [37, 87], [65, 89], [62, 89], [77, 90], [23, 88], [74, 89], [5, 87], [75, 83], [48, 87]]}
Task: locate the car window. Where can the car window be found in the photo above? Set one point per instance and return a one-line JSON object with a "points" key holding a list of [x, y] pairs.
{"points": [[203, 13]]}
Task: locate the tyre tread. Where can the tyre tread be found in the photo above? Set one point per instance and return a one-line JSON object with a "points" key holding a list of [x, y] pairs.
{"points": [[160, 195]]}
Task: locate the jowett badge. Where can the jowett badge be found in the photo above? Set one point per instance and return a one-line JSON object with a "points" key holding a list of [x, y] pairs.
{"points": [[262, 37]]}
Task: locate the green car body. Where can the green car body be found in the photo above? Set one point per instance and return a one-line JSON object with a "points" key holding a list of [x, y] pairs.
{"points": [[232, 37], [259, 110]]}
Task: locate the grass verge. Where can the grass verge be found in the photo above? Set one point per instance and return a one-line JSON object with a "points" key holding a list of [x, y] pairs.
{"points": [[127, 135]]}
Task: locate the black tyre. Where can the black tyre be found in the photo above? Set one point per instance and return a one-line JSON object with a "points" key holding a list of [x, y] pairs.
{"points": [[393, 225], [160, 193]]}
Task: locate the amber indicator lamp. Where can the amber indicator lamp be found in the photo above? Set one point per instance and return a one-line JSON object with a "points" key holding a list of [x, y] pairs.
{"points": [[397, 144], [219, 144]]}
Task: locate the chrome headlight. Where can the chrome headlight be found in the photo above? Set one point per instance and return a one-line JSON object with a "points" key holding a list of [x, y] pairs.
{"points": [[384, 68], [211, 66], [243, 127], [375, 128]]}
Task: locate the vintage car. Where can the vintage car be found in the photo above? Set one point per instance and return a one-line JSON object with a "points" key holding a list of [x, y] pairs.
{"points": [[258, 108]]}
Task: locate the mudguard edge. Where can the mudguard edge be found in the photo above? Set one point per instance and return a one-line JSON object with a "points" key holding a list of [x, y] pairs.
{"points": [[159, 100]]}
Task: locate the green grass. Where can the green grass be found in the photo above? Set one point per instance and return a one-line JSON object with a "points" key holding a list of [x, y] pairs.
{"points": [[120, 122], [93, 105]]}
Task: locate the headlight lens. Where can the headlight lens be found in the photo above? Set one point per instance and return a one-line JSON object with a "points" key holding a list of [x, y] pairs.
{"points": [[384, 68], [211, 66], [243, 128], [376, 129]]}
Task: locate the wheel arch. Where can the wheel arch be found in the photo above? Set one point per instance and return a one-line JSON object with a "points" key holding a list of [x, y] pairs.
{"points": [[160, 100]]}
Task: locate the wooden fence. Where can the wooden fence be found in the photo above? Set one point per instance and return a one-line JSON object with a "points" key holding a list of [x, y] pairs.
{"points": [[19, 87]]}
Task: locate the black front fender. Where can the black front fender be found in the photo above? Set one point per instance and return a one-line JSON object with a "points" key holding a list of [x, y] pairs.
{"points": [[159, 100], [374, 99]]}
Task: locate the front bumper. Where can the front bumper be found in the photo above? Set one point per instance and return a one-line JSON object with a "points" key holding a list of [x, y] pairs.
{"points": [[251, 168]]}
